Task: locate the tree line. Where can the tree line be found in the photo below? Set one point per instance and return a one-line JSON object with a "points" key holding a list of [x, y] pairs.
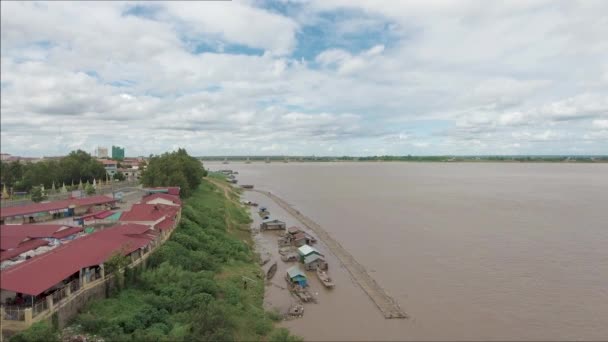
{"points": [[76, 167]]}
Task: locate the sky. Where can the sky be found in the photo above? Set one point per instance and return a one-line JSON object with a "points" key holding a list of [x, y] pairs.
{"points": [[326, 77]]}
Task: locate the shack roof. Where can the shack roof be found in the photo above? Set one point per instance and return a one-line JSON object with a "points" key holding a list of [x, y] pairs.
{"points": [[22, 248], [166, 224], [141, 212], [295, 271], [293, 230], [311, 258], [11, 236], [273, 222], [55, 205], [299, 236], [159, 195], [44, 271], [306, 250]]}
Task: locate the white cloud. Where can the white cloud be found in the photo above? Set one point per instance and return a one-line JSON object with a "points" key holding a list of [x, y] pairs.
{"points": [[529, 76], [601, 124]]}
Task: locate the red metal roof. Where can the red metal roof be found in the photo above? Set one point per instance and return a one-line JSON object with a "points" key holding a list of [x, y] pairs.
{"points": [[44, 271], [107, 162], [56, 205], [172, 198], [98, 215], [12, 235], [22, 248], [171, 190], [166, 224], [141, 212]]}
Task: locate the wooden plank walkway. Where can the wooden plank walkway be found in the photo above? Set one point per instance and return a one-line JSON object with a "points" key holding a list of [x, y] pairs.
{"points": [[386, 304]]}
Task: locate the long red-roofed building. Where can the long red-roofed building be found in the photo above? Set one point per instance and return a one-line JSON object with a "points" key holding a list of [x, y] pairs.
{"points": [[77, 205], [43, 272]]}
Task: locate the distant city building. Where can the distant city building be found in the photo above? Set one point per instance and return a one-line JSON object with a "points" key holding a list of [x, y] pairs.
{"points": [[102, 152], [118, 153], [5, 156], [111, 166]]}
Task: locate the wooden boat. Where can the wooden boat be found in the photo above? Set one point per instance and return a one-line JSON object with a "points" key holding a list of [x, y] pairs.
{"points": [[325, 279], [271, 271]]}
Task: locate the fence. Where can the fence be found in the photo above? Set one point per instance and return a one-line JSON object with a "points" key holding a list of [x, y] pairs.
{"points": [[14, 313], [39, 307], [101, 190]]}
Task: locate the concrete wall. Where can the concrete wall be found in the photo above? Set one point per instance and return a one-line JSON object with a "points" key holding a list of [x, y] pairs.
{"points": [[69, 309]]}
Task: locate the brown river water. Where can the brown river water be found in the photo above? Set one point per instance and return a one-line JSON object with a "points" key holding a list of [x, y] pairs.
{"points": [[470, 251]]}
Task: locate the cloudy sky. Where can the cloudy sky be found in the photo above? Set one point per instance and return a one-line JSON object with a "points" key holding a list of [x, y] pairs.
{"points": [[327, 77]]}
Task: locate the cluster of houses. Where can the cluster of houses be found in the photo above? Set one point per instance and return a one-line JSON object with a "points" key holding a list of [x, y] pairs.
{"points": [[53, 268]]}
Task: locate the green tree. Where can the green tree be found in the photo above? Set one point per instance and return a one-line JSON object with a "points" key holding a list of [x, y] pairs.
{"points": [[89, 189], [119, 176], [174, 169], [37, 195]]}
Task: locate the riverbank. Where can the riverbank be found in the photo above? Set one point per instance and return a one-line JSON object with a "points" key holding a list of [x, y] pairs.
{"points": [[204, 283]]}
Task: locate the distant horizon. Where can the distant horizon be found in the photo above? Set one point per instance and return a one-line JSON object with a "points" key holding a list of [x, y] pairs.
{"points": [[218, 156]]}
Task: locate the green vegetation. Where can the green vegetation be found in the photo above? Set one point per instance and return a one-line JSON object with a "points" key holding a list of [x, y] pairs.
{"points": [[193, 288], [119, 176], [38, 332], [77, 166], [89, 189], [174, 169], [37, 194]]}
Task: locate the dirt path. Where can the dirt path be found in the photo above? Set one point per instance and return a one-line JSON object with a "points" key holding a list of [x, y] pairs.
{"points": [[386, 304], [221, 185]]}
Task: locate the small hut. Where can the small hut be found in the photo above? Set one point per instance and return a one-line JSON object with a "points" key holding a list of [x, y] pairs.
{"points": [[272, 225], [306, 250], [296, 276], [314, 261]]}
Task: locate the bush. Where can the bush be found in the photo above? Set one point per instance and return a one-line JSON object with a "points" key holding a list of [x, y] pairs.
{"points": [[282, 335], [38, 332]]}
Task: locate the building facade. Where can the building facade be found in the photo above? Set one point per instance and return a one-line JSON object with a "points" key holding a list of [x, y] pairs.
{"points": [[118, 153], [102, 152]]}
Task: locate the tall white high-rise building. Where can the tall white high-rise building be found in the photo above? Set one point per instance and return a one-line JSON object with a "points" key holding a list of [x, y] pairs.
{"points": [[102, 152]]}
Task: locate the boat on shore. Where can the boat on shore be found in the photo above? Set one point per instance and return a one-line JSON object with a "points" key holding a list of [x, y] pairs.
{"points": [[325, 279], [271, 271]]}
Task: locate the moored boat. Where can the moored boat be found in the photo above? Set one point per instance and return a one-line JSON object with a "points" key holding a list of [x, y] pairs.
{"points": [[271, 271], [325, 278]]}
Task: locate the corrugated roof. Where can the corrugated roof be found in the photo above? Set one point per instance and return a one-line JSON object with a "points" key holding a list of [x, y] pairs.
{"points": [[12, 235], [295, 271], [141, 212], [55, 205], [98, 215], [166, 224], [293, 230], [44, 271], [22, 248], [312, 257], [306, 249], [171, 198]]}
